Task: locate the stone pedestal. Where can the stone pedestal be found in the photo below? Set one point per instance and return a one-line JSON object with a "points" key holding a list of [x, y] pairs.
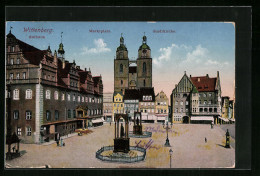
{"points": [[121, 145], [137, 129]]}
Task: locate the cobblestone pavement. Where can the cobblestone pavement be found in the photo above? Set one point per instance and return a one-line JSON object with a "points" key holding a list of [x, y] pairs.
{"points": [[187, 142]]}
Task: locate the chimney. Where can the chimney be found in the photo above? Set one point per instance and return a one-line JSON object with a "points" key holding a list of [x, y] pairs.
{"points": [[217, 74], [190, 76], [85, 69], [207, 75]]}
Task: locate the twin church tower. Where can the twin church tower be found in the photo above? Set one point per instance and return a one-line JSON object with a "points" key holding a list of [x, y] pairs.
{"points": [[132, 74]]}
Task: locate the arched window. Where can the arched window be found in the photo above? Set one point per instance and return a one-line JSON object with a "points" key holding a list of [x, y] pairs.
{"points": [[144, 83], [121, 82], [56, 95], [144, 67], [121, 68], [28, 94]]}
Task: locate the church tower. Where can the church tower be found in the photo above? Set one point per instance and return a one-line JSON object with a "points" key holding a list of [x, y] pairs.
{"points": [[121, 68], [144, 65]]}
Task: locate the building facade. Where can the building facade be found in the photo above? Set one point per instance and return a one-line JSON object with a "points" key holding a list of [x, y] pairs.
{"points": [[180, 100], [147, 105], [44, 91], [196, 100], [131, 102], [108, 107], [118, 103], [161, 107], [132, 74], [209, 94]]}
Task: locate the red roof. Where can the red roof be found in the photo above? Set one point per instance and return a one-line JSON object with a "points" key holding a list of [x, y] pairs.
{"points": [[204, 83]]}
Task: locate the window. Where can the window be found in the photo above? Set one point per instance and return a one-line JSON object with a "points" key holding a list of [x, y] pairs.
{"points": [[204, 95], [121, 82], [121, 68], [144, 83], [28, 94], [181, 102], [18, 61], [210, 102], [89, 99], [12, 61], [48, 94], [144, 67], [53, 78], [210, 94], [28, 115], [16, 94], [17, 75], [24, 75], [68, 97], [56, 115], [121, 105], [62, 96], [187, 102], [16, 114], [200, 102], [69, 113], [48, 115], [205, 102], [74, 114], [19, 131], [74, 97], [176, 102], [29, 131], [11, 76], [82, 99], [78, 98], [86, 99]]}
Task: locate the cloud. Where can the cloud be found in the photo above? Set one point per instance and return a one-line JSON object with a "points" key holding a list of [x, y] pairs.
{"points": [[167, 53], [197, 55], [187, 56], [100, 47]]}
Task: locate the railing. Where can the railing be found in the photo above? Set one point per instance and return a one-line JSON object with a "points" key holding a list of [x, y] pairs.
{"points": [[123, 159]]}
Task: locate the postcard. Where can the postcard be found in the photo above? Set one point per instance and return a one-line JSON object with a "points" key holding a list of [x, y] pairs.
{"points": [[120, 94]]}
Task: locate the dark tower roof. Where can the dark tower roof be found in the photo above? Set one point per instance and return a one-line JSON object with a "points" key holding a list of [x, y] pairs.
{"points": [[144, 44], [61, 49], [122, 46]]}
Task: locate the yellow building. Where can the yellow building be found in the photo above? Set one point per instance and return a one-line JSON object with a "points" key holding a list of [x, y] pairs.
{"points": [[162, 103], [118, 104]]}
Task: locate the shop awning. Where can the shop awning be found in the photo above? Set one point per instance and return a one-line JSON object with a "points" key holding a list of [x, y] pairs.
{"points": [[161, 117], [97, 120], [208, 118]]}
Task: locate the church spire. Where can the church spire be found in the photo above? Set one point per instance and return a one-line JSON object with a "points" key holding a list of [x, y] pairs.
{"points": [[61, 49]]}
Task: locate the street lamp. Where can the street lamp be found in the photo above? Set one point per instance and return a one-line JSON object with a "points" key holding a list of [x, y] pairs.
{"points": [[227, 140], [167, 127], [170, 151]]}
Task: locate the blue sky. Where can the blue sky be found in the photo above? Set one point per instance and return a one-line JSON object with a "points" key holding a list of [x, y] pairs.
{"points": [[199, 48]]}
